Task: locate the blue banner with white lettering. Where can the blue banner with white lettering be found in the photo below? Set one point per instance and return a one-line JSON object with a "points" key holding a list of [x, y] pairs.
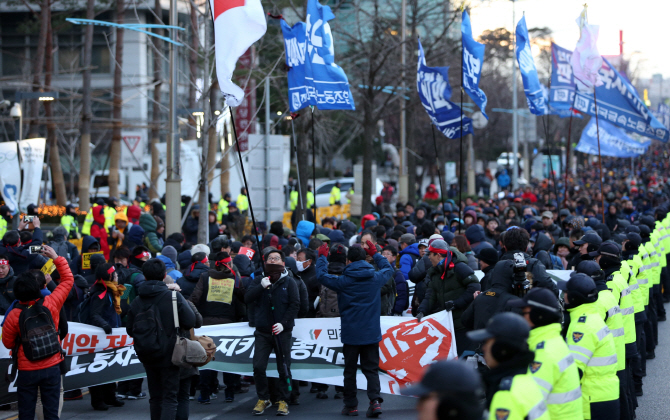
{"points": [[663, 115], [432, 83], [314, 78], [618, 101], [614, 141], [472, 59], [532, 87]]}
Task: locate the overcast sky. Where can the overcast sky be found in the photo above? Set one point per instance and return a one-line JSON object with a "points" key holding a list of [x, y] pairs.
{"points": [[644, 24]]}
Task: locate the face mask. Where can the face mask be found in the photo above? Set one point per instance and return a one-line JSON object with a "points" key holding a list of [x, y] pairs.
{"points": [[301, 266], [440, 227]]}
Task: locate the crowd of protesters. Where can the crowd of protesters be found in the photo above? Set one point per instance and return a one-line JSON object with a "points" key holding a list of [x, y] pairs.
{"points": [[577, 354]]}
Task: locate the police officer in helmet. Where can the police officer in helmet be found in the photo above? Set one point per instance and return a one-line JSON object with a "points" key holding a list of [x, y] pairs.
{"points": [[511, 392]]}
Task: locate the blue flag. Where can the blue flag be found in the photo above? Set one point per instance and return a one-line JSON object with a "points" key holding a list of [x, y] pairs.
{"points": [[310, 53], [613, 141], [473, 57], [432, 83], [663, 115], [531, 81], [618, 101]]}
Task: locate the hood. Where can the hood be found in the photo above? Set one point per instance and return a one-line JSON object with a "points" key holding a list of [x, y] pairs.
{"points": [[86, 243], [336, 236], [80, 282], [99, 214], [471, 213], [134, 213], [243, 265], [542, 243], [148, 223], [168, 262], [152, 288], [511, 208], [270, 240], [359, 270], [120, 216], [304, 231], [503, 275], [348, 229], [412, 249], [475, 234], [59, 234], [8, 277]]}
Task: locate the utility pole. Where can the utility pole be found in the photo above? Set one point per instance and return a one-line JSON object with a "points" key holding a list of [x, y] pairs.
{"points": [[515, 117], [173, 181], [402, 174]]}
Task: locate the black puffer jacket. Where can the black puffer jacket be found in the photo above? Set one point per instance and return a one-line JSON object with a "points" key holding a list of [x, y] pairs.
{"points": [[155, 292], [7, 291], [191, 277], [218, 312], [285, 300]]}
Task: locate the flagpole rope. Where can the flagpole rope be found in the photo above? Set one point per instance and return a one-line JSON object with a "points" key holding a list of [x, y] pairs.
{"points": [[439, 173]]}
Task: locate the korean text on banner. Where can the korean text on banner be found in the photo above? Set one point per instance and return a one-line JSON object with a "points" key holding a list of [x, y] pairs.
{"points": [[32, 163]]}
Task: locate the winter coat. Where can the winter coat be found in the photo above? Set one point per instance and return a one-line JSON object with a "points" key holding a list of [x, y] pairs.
{"points": [[304, 231], [191, 277], [358, 297], [285, 300], [214, 312], [542, 252], [472, 261], [458, 285], [477, 238], [485, 282], [328, 307], [408, 258], [60, 242], [184, 259], [503, 179], [98, 230], [7, 291], [537, 270], [191, 230], [20, 258], [102, 313], [213, 230], [388, 293], [402, 293], [156, 293], [176, 245], [170, 268], [54, 303], [554, 230], [337, 237], [151, 238], [76, 264], [313, 287], [244, 265], [75, 297]]}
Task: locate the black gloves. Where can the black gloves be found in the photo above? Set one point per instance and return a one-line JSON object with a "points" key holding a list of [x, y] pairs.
{"points": [[449, 305]]}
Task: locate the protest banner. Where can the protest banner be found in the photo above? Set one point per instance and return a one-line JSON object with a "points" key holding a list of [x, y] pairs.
{"points": [[86, 259], [406, 349]]}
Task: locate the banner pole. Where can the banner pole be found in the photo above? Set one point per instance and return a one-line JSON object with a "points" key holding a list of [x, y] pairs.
{"points": [[439, 173], [460, 148], [278, 349], [297, 168], [314, 166], [551, 161], [600, 159]]}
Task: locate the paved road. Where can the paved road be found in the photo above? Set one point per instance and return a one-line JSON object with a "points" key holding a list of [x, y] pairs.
{"points": [[655, 404], [395, 407]]}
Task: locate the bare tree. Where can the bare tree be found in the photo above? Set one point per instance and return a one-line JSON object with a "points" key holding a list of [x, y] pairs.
{"points": [[115, 148], [86, 115], [157, 83], [38, 66]]}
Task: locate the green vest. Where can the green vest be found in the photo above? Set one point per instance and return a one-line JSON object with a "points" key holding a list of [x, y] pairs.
{"points": [[555, 371], [644, 273], [109, 213], [335, 195], [310, 199], [69, 223], [88, 222], [626, 303], [614, 322], [518, 398], [294, 199], [592, 345], [242, 203], [3, 227], [631, 267]]}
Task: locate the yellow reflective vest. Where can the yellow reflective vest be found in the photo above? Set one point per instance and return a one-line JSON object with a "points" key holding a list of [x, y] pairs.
{"points": [[518, 398], [109, 213], [242, 203], [294, 199], [617, 283], [335, 196], [592, 345], [222, 210], [3, 227], [88, 222], [556, 373], [310, 199], [614, 322]]}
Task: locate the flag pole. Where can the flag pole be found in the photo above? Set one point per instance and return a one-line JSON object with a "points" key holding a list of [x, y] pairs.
{"points": [[297, 167], [460, 148], [439, 173], [314, 166], [600, 159], [567, 159], [545, 123]]}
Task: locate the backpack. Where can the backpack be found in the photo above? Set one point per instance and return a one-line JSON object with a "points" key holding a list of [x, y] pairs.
{"points": [[150, 339], [83, 311], [61, 249], [39, 336], [556, 262]]}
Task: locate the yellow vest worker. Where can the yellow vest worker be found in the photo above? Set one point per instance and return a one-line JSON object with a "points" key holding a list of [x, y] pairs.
{"points": [[335, 195], [109, 212], [223, 207], [294, 199], [88, 222], [512, 393], [3, 227], [553, 366], [592, 345], [242, 203], [310, 199]]}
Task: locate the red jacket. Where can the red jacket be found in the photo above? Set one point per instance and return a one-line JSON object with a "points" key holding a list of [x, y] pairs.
{"points": [[53, 302], [98, 230]]}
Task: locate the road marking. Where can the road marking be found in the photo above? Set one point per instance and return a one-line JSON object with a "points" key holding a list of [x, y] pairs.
{"points": [[230, 408]]}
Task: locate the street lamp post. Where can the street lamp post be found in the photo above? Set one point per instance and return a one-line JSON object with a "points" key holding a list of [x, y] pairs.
{"points": [[17, 110]]}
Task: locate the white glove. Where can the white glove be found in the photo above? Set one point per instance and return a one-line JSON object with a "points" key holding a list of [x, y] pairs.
{"points": [[277, 328], [316, 302], [265, 282]]}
